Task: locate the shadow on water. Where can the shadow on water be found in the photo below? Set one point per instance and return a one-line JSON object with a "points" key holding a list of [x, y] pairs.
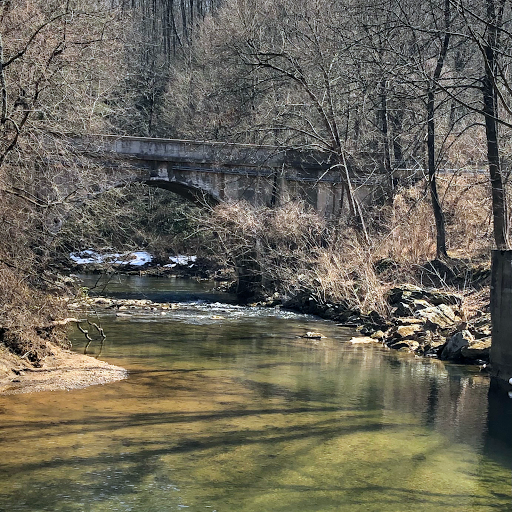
{"points": [[241, 416], [113, 476]]}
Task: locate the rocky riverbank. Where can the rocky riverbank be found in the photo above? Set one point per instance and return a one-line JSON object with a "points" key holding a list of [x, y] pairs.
{"points": [[427, 322]]}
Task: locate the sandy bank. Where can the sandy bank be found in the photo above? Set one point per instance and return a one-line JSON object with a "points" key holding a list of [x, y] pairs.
{"points": [[63, 370]]}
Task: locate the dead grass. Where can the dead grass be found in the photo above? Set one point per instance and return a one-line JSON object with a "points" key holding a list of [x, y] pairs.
{"points": [[410, 237], [295, 251], [26, 316], [346, 274]]}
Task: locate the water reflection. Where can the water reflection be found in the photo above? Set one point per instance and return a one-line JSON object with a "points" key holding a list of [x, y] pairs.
{"points": [[498, 439], [238, 414], [157, 289]]}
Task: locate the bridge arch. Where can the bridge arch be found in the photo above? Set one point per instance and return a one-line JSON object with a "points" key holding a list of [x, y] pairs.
{"points": [[214, 172], [198, 196]]}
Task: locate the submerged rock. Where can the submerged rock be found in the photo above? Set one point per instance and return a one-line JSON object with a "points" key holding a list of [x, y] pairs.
{"points": [[313, 335]]}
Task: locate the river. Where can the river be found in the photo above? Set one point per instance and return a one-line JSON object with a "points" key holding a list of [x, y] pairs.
{"points": [[227, 409]]}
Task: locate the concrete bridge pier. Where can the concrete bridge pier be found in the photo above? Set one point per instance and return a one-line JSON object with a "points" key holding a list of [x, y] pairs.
{"points": [[501, 314]]}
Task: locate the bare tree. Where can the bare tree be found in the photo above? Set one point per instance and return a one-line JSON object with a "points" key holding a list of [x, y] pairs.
{"points": [[430, 37], [55, 79], [487, 27]]}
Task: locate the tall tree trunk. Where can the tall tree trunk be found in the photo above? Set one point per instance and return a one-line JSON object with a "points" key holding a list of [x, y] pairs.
{"points": [[499, 203], [384, 125], [436, 204], [184, 21], [396, 124], [498, 194], [431, 140], [385, 134]]}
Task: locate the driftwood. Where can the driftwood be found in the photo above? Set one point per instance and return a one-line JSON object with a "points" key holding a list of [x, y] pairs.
{"points": [[85, 332]]}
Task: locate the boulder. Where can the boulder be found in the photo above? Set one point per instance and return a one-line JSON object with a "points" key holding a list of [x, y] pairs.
{"points": [[411, 321], [408, 293], [419, 304], [402, 309], [481, 327], [483, 332], [411, 345], [405, 337], [453, 348], [357, 340], [407, 331], [432, 342], [450, 299], [405, 292], [480, 349], [441, 316]]}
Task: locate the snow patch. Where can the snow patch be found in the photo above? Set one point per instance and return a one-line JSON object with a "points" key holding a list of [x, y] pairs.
{"points": [[133, 259], [85, 257], [181, 259], [137, 259], [89, 256]]}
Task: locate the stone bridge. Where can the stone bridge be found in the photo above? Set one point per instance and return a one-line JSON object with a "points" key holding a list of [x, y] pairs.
{"points": [[213, 172]]}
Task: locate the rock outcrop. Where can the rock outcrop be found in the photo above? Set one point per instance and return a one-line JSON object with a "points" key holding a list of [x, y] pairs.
{"points": [[431, 323]]}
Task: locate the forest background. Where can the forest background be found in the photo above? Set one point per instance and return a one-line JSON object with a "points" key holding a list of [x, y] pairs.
{"points": [[392, 85]]}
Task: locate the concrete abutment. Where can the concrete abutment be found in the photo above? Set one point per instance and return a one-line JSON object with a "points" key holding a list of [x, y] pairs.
{"points": [[501, 314]]}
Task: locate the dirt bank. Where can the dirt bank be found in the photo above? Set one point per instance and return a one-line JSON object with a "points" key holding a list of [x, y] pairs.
{"points": [[62, 370]]}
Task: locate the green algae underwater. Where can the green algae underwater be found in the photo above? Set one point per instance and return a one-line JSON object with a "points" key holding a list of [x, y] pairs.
{"points": [[229, 409]]}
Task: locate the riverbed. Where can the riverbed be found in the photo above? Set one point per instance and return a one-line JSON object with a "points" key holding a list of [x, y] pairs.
{"points": [[228, 408]]}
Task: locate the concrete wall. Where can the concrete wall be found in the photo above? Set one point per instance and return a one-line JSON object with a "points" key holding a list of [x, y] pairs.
{"points": [[213, 171], [229, 185], [501, 314]]}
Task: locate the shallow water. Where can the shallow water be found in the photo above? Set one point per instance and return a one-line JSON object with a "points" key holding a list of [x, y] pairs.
{"points": [[226, 409]]}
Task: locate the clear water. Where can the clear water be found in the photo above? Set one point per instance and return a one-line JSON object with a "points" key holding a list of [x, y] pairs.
{"points": [[226, 409], [153, 288]]}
